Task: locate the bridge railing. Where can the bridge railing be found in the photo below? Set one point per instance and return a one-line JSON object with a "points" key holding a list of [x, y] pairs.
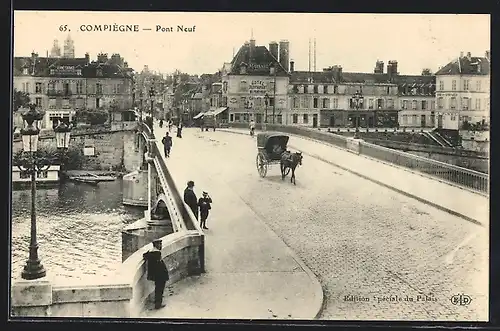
{"points": [[463, 177], [185, 215]]}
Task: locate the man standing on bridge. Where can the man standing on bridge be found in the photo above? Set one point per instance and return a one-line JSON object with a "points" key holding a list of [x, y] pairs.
{"points": [[190, 198], [157, 272], [205, 207], [167, 144]]}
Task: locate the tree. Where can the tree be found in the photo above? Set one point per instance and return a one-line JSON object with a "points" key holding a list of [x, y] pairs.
{"points": [[21, 99]]}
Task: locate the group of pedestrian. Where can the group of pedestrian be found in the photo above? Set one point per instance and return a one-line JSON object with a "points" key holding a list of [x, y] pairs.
{"points": [[203, 205], [167, 139]]}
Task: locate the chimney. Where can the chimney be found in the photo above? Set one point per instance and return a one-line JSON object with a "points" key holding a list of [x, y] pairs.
{"points": [[87, 58], [469, 56], [487, 55], [392, 68], [292, 66], [426, 72], [379, 67], [274, 49]]}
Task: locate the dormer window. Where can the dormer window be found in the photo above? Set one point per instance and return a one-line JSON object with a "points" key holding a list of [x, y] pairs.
{"points": [[52, 71], [272, 70], [25, 71], [99, 72], [79, 72], [243, 68]]}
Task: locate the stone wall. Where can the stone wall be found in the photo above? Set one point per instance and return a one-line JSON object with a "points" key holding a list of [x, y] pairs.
{"points": [[113, 149]]}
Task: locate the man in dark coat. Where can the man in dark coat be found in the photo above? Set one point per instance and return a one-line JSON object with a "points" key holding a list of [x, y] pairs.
{"points": [[190, 198], [167, 144], [157, 272], [204, 204], [179, 130]]}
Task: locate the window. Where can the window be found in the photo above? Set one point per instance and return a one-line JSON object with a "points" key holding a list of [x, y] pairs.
{"points": [[237, 117], [390, 103], [370, 103], [453, 103], [38, 102], [97, 102], [25, 71], [305, 119], [65, 104], [258, 102], [243, 85], [66, 89], [79, 72], [453, 85], [295, 118], [335, 89], [478, 104], [98, 87], [424, 104], [440, 103], [316, 89], [441, 85], [79, 87], [52, 86], [404, 104], [303, 102], [414, 104], [42, 174], [326, 103], [271, 102], [52, 103], [466, 84], [380, 103], [279, 119], [465, 103], [99, 72], [478, 85], [325, 89], [295, 102], [115, 88], [79, 103], [335, 103], [306, 89], [433, 105], [315, 103], [453, 117], [38, 87], [404, 119]]}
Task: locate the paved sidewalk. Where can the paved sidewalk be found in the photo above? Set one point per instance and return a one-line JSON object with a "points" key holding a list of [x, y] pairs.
{"points": [[462, 203], [250, 272]]}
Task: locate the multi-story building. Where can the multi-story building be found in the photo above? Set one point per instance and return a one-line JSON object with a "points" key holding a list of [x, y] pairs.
{"points": [[61, 86], [255, 84], [463, 93], [352, 99]]}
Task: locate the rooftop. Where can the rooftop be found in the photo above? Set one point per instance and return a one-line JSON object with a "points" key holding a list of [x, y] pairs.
{"points": [[257, 61], [466, 66]]}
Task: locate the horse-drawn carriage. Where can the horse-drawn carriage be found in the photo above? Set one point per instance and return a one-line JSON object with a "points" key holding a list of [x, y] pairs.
{"points": [[272, 149]]}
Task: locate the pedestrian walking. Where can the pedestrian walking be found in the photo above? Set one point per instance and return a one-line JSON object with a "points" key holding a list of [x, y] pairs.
{"points": [[205, 205], [167, 144], [202, 124], [179, 130], [157, 272], [169, 125], [190, 198]]}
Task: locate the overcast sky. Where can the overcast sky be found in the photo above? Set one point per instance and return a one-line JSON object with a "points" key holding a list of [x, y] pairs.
{"points": [[354, 41]]}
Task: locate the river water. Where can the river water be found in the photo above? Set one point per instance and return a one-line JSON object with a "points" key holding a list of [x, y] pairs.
{"points": [[79, 229]]}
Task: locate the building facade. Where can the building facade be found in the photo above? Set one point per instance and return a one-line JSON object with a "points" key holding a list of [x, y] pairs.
{"points": [[61, 86], [463, 93], [254, 85]]}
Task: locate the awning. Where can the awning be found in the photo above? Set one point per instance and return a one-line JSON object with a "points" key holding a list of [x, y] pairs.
{"points": [[198, 115], [219, 110]]}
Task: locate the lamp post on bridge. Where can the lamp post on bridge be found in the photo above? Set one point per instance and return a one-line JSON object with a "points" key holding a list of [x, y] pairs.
{"points": [[358, 100], [266, 103], [152, 95]]}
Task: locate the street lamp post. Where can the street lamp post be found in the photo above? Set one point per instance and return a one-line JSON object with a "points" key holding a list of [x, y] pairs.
{"points": [[266, 102], [152, 95], [140, 108], [358, 99], [273, 70], [33, 268]]}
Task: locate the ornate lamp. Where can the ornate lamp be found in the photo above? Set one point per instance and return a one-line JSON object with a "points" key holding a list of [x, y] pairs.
{"points": [[33, 268], [63, 133]]}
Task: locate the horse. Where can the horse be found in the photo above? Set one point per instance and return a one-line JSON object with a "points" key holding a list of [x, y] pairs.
{"points": [[290, 160]]}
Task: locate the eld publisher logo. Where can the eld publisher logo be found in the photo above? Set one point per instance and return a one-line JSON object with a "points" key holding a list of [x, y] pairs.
{"points": [[461, 300]]}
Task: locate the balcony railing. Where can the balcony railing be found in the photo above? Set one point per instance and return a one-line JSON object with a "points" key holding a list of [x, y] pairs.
{"points": [[58, 93]]}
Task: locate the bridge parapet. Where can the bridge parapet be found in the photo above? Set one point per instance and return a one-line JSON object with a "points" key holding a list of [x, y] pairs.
{"points": [[471, 180]]}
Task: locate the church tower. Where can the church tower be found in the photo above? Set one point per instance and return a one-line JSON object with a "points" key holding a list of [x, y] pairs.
{"points": [[56, 50], [69, 48]]}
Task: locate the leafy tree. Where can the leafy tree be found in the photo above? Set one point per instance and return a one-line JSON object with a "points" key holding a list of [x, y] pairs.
{"points": [[92, 117], [21, 99]]}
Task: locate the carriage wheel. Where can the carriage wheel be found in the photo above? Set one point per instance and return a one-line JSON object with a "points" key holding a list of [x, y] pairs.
{"points": [[261, 163]]}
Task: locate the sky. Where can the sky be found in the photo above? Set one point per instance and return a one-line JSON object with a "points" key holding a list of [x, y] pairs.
{"points": [[354, 41]]}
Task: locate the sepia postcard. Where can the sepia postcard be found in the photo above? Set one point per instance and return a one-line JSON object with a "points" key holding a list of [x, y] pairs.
{"points": [[253, 166]]}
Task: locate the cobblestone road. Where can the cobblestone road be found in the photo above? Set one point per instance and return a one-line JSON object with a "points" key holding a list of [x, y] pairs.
{"points": [[398, 258]]}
